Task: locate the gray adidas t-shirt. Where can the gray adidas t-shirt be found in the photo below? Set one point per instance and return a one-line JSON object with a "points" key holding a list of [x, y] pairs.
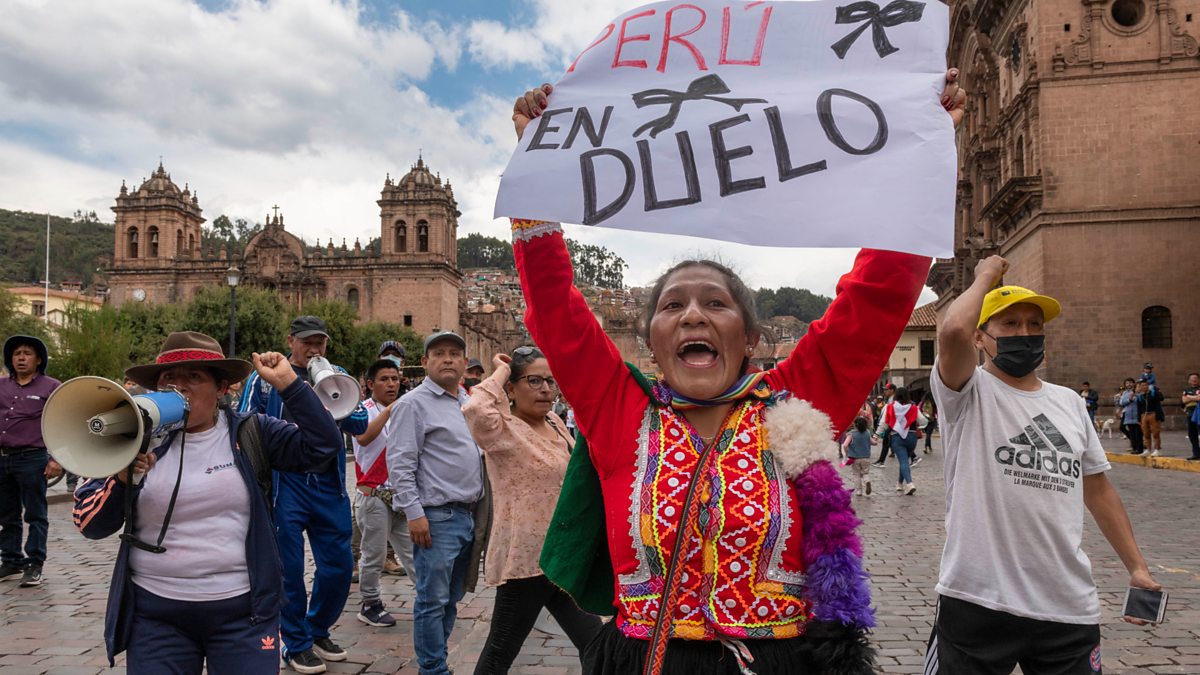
{"points": [[1015, 463]]}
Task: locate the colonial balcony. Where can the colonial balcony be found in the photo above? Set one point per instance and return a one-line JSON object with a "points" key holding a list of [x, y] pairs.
{"points": [[1015, 199]]}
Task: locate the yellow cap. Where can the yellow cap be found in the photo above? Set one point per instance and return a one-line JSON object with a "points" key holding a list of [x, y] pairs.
{"points": [[1000, 299]]}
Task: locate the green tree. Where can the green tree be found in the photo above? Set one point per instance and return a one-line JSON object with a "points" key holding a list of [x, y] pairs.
{"points": [[476, 250], [596, 265], [147, 326], [14, 321], [92, 342], [787, 301], [339, 318], [363, 349], [261, 320], [232, 235]]}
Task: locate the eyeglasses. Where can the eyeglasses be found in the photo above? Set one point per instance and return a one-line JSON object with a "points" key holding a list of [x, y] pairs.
{"points": [[536, 381]]}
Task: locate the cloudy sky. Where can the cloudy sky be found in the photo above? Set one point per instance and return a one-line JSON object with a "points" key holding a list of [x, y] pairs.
{"points": [[307, 104]]}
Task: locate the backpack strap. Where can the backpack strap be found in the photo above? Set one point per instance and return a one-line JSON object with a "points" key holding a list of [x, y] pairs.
{"points": [[249, 437]]}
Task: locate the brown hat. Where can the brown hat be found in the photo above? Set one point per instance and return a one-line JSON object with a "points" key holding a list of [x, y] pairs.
{"points": [[189, 348]]}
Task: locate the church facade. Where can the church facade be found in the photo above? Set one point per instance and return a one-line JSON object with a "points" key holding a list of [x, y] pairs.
{"points": [[412, 279], [1079, 161]]}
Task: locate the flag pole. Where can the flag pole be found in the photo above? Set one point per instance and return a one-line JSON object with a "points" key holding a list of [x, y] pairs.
{"points": [[46, 297]]}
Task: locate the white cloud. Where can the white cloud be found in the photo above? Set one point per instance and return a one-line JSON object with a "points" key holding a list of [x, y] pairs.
{"points": [[298, 103]]}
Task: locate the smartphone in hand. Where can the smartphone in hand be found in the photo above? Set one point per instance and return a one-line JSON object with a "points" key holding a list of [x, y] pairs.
{"points": [[1144, 604]]}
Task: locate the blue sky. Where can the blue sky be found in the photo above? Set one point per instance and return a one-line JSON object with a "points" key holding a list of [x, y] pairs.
{"points": [[308, 104]]}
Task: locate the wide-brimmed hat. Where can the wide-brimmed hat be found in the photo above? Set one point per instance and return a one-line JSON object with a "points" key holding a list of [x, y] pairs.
{"points": [[186, 348], [39, 348], [1000, 299]]}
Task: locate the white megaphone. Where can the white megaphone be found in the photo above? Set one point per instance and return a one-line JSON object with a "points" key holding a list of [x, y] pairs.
{"points": [[94, 428], [338, 391]]}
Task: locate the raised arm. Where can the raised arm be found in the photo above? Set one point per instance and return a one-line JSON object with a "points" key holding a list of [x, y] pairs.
{"points": [[310, 443], [956, 336], [840, 357]]}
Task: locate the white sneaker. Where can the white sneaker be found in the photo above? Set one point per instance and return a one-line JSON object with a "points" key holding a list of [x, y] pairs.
{"points": [[899, 487], [858, 493], [910, 489], [1154, 453]]}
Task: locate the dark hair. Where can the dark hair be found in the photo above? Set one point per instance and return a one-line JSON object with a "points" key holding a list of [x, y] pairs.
{"points": [[742, 295], [860, 424], [379, 365], [902, 396], [522, 357], [1191, 374], [1086, 383], [1129, 379]]}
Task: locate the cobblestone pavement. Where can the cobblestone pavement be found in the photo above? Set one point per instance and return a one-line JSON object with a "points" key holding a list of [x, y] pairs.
{"points": [[58, 627]]}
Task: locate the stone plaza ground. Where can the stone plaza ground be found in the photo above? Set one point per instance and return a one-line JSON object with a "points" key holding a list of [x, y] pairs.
{"points": [[58, 627]]}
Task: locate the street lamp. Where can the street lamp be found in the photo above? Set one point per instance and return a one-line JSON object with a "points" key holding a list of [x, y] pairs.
{"points": [[232, 276]]}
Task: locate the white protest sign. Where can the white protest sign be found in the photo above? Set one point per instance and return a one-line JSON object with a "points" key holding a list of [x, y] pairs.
{"points": [[767, 123]]}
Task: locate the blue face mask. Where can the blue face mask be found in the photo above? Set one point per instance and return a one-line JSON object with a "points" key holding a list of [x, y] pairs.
{"points": [[395, 359], [1018, 355]]}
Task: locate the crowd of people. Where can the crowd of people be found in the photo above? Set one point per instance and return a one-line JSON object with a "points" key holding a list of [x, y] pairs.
{"points": [[1139, 411], [700, 506]]}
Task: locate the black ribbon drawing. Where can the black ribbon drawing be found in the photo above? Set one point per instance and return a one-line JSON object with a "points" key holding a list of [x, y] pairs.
{"points": [[894, 14], [701, 89]]}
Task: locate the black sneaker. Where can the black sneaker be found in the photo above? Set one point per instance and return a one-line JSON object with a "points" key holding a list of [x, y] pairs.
{"points": [[373, 614], [9, 570], [306, 662], [917, 460], [32, 576], [328, 649], [1193, 459]]}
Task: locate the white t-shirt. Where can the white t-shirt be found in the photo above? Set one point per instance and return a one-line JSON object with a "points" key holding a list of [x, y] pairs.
{"points": [[1015, 463], [206, 540]]}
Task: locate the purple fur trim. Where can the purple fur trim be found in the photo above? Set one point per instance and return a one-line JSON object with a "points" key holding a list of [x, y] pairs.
{"points": [[835, 581], [837, 586], [829, 519]]}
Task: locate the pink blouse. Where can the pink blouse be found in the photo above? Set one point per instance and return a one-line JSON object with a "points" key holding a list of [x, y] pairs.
{"points": [[526, 472]]}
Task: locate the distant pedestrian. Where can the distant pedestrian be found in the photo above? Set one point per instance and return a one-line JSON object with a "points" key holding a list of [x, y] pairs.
{"points": [[1148, 375], [929, 410], [902, 421], [1130, 407], [1091, 399], [24, 463], [857, 447], [1022, 461], [570, 422], [1191, 409], [1152, 416], [886, 447]]}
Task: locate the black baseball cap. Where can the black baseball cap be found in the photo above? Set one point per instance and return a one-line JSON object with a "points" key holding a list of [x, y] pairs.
{"points": [[1148, 365], [474, 363], [308, 326], [444, 335]]}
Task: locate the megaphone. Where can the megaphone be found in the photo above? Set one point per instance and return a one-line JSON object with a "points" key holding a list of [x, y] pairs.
{"points": [[338, 392], [94, 428]]}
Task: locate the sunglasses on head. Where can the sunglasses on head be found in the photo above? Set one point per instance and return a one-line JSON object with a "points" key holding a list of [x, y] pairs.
{"points": [[523, 351]]}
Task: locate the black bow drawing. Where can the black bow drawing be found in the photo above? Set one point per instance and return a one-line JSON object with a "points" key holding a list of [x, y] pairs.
{"points": [[701, 89], [894, 14]]}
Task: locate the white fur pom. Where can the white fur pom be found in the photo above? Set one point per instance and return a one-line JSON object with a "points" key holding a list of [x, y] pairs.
{"points": [[798, 435]]}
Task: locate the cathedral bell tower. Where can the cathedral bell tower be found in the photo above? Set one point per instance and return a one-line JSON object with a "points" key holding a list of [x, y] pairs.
{"points": [[419, 217]]}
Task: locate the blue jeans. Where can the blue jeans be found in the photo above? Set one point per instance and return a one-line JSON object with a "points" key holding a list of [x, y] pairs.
{"points": [[23, 490], [441, 572], [903, 449]]}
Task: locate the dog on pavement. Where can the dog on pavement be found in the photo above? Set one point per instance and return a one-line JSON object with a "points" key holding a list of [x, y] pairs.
{"points": [[1105, 426]]}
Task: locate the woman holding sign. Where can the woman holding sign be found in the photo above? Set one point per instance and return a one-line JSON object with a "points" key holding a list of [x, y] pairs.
{"points": [[767, 576]]}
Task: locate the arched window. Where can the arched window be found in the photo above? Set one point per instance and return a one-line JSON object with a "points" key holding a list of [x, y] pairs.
{"points": [[152, 236], [401, 236], [422, 236], [1019, 158], [191, 244], [133, 242], [352, 297], [178, 243], [1156, 328]]}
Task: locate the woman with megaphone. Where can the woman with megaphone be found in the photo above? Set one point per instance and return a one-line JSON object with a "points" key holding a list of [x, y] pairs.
{"points": [[208, 593]]}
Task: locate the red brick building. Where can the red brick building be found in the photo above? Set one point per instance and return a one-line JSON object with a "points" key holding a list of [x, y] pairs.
{"points": [[1079, 161]]}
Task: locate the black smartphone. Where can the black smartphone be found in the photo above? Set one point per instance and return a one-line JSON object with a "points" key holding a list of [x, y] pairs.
{"points": [[1146, 605]]}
